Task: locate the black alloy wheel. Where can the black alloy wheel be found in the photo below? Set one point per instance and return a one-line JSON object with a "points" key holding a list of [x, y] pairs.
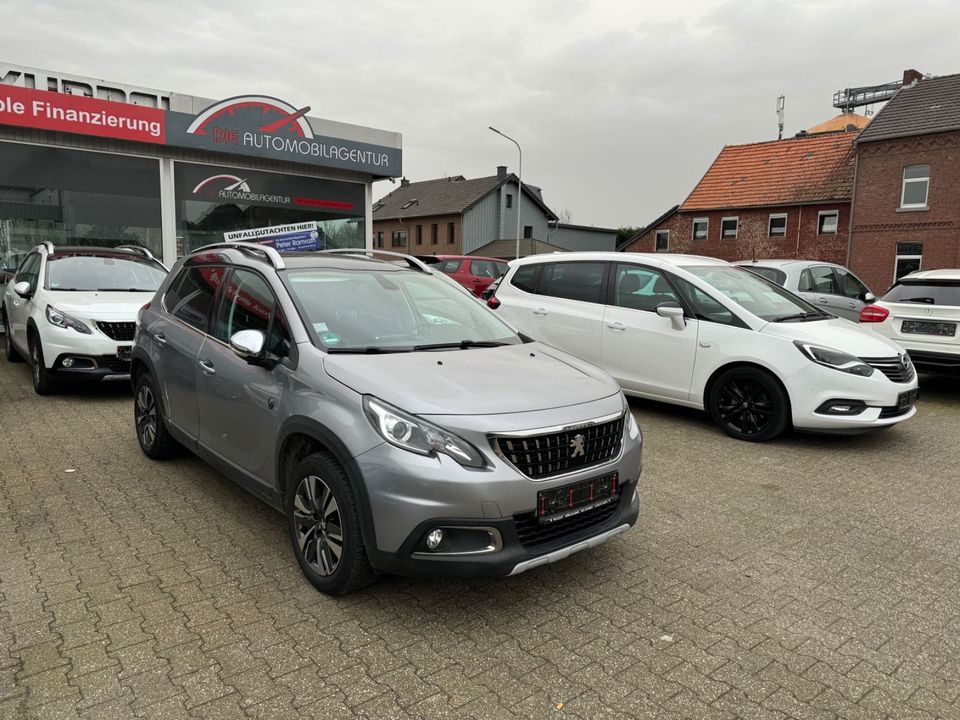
{"points": [[43, 381], [749, 404], [155, 441], [325, 526]]}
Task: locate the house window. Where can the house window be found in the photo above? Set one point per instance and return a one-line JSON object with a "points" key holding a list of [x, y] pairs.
{"points": [[827, 222], [419, 234], [451, 232], [777, 225], [434, 234], [527, 232], [909, 259], [380, 239], [408, 203], [509, 200], [663, 240], [399, 238], [700, 228], [916, 183], [728, 227]]}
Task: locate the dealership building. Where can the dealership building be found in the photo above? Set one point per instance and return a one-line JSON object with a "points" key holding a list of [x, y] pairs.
{"points": [[90, 162]]}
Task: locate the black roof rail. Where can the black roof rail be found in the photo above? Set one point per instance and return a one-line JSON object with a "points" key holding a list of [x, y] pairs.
{"points": [[137, 248], [264, 251], [413, 262]]}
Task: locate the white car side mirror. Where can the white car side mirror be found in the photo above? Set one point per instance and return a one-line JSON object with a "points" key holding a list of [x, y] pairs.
{"points": [[674, 312], [22, 289]]}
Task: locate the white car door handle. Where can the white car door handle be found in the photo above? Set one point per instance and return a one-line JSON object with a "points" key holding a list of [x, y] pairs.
{"points": [[207, 368], [616, 326], [540, 312]]}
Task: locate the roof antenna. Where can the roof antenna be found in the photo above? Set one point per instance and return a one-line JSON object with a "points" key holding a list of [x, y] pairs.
{"points": [[781, 101]]}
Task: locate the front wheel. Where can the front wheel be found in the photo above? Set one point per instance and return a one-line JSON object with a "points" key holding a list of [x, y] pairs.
{"points": [[325, 526], [749, 404], [8, 349], [152, 434], [43, 381]]}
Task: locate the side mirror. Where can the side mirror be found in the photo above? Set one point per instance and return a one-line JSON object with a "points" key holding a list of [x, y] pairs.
{"points": [[22, 289], [673, 311], [248, 344], [869, 298]]}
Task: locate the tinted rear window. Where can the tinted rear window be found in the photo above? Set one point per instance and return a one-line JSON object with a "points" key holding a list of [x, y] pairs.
{"points": [[925, 293], [771, 274]]}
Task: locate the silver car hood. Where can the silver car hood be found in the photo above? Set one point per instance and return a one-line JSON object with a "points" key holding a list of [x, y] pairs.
{"points": [[477, 381]]}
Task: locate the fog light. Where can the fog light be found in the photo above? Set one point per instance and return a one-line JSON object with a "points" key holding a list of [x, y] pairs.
{"points": [[68, 362], [434, 539]]}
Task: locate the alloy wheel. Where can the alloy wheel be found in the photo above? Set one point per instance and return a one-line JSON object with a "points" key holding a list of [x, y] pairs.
{"points": [[146, 416], [35, 359], [319, 525], [746, 406]]}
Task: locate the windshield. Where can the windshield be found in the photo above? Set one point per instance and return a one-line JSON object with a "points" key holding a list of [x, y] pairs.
{"points": [[393, 311], [764, 299], [928, 293], [105, 272], [772, 274]]}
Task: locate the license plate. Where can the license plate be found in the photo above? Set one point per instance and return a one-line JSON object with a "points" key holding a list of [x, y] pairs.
{"points": [[123, 352], [569, 500], [906, 399], [925, 327]]}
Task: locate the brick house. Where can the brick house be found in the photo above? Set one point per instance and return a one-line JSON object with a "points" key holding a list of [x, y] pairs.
{"points": [[906, 204], [779, 199]]}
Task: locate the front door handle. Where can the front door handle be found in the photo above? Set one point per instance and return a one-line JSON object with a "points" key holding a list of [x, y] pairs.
{"points": [[207, 368], [823, 301], [616, 326], [161, 339], [541, 312]]}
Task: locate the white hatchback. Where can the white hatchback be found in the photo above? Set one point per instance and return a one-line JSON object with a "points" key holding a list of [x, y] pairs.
{"points": [[921, 312], [700, 332], [72, 310]]}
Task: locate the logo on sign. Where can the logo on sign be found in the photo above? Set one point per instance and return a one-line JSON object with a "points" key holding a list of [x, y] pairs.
{"points": [[231, 187], [252, 117]]}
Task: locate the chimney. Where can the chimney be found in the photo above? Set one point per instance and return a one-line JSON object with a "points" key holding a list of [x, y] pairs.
{"points": [[501, 172], [404, 182], [911, 76]]}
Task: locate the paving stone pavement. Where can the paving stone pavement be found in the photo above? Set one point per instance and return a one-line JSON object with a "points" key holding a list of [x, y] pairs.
{"points": [[810, 577]]}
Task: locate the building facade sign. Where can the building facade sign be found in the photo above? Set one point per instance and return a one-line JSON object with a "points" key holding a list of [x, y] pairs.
{"points": [[248, 125], [285, 238]]}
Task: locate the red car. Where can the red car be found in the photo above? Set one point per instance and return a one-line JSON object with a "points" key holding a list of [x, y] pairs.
{"points": [[474, 273]]}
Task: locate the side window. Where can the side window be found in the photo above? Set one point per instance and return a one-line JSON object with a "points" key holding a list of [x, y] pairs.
{"points": [[525, 278], [483, 268], [501, 269], [850, 284], [641, 288], [581, 281], [30, 271], [190, 297], [448, 266], [820, 279], [704, 306], [248, 303]]}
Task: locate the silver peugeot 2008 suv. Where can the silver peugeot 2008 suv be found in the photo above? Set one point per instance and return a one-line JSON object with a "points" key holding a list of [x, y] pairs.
{"points": [[399, 425]]}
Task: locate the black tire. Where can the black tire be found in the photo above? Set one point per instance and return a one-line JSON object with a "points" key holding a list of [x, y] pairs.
{"points": [[155, 440], [324, 518], [43, 381], [749, 404], [8, 349]]}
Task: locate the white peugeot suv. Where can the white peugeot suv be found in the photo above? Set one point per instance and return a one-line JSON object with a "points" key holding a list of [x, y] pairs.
{"points": [[700, 332], [72, 310]]}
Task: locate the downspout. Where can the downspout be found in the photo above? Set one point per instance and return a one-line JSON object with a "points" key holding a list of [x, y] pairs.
{"points": [[853, 199], [799, 223]]}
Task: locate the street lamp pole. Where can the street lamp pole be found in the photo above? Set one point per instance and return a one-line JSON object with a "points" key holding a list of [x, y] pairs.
{"points": [[519, 182]]}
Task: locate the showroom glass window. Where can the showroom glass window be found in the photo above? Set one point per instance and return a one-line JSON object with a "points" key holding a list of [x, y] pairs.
{"points": [[75, 197], [212, 200]]}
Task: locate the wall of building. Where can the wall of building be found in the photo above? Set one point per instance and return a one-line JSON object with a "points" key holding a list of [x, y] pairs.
{"points": [[576, 238], [879, 223], [801, 240], [442, 247], [481, 222]]}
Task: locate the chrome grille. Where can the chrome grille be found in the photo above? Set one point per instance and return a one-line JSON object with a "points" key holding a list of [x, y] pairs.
{"points": [[899, 369], [556, 453], [122, 331]]}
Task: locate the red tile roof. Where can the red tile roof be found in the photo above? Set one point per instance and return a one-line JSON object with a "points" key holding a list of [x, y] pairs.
{"points": [[806, 169]]}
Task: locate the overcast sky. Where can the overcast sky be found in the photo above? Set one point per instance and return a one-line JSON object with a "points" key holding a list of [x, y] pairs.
{"points": [[619, 106]]}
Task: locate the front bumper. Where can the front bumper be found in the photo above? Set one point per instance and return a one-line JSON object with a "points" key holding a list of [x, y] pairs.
{"points": [[59, 344], [815, 386]]}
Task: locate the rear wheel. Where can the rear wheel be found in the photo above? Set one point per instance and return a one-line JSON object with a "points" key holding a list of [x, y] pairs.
{"points": [[43, 381], [324, 524], [749, 404], [8, 349], [152, 434]]}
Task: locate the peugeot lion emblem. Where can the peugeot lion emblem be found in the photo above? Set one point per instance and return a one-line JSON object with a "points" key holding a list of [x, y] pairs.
{"points": [[577, 446]]}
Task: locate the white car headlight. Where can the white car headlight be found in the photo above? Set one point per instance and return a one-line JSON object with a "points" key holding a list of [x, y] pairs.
{"points": [[416, 435], [62, 320], [844, 362]]}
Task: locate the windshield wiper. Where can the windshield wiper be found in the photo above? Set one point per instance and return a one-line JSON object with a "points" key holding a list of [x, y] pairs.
{"points": [[367, 350], [814, 315], [462, 345]]}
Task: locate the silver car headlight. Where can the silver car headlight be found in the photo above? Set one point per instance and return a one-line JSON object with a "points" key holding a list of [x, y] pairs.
{"points": [[416, 435], [62, 320], [844, 362]]}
